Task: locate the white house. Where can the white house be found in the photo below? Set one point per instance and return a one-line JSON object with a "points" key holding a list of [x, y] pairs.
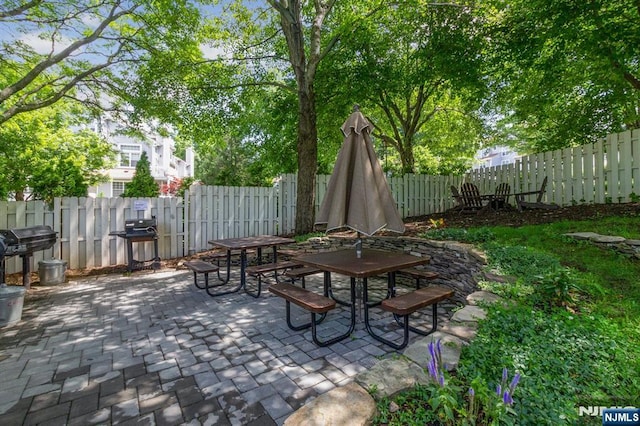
{"points": [[165, 166], [495, 156]]}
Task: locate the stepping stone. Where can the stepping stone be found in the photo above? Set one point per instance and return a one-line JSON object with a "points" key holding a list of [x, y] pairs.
{"points": [[348, 404], [391, 376], [605, 239], [489, 276], [466, 331], [469, 313], [582, 235], [451, 346], [480, 297]]}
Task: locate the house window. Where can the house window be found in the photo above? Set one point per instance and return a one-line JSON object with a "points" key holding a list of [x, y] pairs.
{"points": [[129, 155], [505, 153], [117, 188]]}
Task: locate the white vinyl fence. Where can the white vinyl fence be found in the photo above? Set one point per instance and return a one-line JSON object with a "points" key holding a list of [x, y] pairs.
{"points": [[607, 171]]}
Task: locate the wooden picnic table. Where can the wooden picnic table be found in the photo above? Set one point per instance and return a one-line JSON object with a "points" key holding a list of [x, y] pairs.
{"points": [[243, 244]]}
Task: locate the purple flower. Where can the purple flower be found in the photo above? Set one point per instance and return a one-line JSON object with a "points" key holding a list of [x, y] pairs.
{"points": [[514, 383], [441, 379], [506, 398], [471, 392], [499, 390], [432, 369], [505, 373]]}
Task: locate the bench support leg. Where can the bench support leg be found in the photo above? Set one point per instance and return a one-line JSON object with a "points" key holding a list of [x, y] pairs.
{"points": [[404, 324], [434, 325], [195, 280], [314, 321], [255, 294]]}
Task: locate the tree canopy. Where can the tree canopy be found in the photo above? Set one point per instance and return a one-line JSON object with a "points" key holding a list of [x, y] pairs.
{"points": [[80, 49], [49, 153], [261, 88], [565, 72]]}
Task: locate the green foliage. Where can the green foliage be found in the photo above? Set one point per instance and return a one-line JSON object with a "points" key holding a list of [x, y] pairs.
{"points": [[445, 400], [142, 184], [523, 262], [517, 290], [43, 154], [417, 78], [474, 235], [565, 72], [583, 356], [565, 360], [555, 288]]}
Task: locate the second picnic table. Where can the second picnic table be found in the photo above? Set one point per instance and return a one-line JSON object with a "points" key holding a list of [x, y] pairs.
{"points": [[243, 244]]}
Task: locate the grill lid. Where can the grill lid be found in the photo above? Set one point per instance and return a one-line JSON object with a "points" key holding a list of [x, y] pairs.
{"points": [[24, 241], [140, 226], [26, 235]]}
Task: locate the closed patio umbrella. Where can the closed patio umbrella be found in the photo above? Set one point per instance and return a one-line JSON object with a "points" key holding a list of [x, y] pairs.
{"points": [[358, 196]]}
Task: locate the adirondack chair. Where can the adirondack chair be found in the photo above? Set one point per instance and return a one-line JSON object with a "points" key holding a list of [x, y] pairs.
{"points": [[522, 203], [501, 196], [471, 198], [457, 198]]}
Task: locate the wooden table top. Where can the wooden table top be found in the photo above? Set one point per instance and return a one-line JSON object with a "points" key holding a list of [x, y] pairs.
{"points": [[251, 242], [372, 262]]}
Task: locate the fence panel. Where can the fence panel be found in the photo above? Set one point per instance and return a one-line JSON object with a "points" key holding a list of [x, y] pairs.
{"points": [[605, 171]]}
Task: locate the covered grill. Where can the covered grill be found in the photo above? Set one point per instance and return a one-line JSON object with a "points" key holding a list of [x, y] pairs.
{"points": [[136, 231], [24, 242]]}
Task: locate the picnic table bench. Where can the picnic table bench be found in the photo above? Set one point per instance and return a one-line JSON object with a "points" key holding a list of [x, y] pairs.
{"points": [[260, 271], [405, 305]]}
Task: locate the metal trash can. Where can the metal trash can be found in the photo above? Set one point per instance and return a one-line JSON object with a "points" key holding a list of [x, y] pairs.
{"points": [[52, 271], [11, 301]]}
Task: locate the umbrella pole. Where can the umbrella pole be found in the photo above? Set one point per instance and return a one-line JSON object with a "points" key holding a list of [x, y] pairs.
{"points": [[359, 286]]}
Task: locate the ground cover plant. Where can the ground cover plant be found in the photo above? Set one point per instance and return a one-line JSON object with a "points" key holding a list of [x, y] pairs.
{"points": [[570, 328]]}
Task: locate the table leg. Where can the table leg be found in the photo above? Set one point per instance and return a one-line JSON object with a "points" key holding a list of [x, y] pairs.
{"points": [[329, 291], [243, 263], [228, 262]]}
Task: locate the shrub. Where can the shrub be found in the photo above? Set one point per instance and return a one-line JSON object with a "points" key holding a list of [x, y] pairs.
{"points": [[521, 262], [472, 236]]}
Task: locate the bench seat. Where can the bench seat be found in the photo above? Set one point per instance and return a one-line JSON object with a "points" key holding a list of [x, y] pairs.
{"points": [[261, 270], [419, 274], [201, 267], [271, 267], [305, 271], [304, 298], [405, 305], [313, 303]]}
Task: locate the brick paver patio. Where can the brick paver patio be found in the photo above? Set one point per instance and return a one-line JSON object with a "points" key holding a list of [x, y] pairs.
{"points": [[151, 348]]}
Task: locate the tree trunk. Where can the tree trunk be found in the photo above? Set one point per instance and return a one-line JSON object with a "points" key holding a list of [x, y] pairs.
{"points": [[307, 161], [406, 155]]}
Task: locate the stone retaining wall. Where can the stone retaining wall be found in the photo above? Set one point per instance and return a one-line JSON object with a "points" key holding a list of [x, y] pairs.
{"points": [[457, 264]]}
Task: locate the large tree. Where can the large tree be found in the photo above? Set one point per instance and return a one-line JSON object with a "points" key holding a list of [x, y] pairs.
{"points": [[71, 48], [566, 72], [416, 73], [41, 155], [278, 46]]}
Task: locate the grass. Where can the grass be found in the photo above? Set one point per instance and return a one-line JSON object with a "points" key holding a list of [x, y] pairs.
{"points": [[571, 330]]}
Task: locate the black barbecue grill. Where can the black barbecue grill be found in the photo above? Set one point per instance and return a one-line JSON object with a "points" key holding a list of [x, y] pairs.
{"points": [[24, 242], [137, 231]]}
